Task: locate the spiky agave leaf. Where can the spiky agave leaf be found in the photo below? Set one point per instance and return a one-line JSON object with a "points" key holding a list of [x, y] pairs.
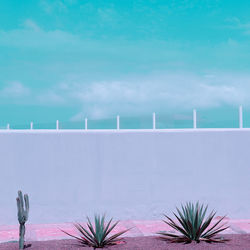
{"points": [[193, 226], [97, 235]]}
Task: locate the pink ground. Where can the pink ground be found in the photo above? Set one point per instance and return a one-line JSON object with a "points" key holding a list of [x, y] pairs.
{"points": [[236, 242], [48, 232]]}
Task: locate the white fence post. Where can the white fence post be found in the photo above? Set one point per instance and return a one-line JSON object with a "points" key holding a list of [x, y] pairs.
{"points": [[153, 120], [240, 117], [57, 125], [8, 126], [86, 124], [31, 125], [194, 119], [118, 122]]}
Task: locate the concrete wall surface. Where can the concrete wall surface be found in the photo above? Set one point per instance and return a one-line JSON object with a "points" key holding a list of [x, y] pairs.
{"points": [[127, 174]]}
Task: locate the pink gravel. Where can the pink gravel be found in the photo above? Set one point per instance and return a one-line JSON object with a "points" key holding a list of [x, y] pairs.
{"points": [[236, 241]]}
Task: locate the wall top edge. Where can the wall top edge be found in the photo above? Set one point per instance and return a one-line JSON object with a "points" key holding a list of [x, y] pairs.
{"points": [[115, 131]]}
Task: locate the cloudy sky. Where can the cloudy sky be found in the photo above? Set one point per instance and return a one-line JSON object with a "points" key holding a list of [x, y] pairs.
{"points": [[70, 59]]}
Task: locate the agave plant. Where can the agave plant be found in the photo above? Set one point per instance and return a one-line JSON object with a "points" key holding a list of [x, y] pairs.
{"points": [[97, 236], [193, 226]]}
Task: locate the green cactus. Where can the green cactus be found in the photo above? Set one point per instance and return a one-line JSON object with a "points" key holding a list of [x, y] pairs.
{"points": [[22, 214]]}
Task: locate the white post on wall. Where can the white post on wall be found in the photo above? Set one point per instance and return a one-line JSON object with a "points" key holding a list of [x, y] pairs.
{"points": [[194, 119], [86, 123], [153, 120], [240, 117], [57, 125], [8, 126], [118, 122], [31, 125]]}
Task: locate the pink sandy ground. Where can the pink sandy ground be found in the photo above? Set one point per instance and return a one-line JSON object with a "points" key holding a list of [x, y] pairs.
{"points": [[50, 236], [236, 242]]}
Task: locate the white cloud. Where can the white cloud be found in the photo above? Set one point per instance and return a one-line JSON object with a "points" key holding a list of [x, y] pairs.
{"points": [[236, 24], [157, 92], [172, 90], [50, 97], [141, 95], [29, 24], [14, 89], [31, 35]]}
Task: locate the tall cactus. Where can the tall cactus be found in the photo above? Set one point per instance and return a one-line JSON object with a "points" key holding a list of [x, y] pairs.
{"points": [[22, 214]]}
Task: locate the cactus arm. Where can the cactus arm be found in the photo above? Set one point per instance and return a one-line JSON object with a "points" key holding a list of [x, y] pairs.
{"points": [[18, 208], [27, 206], [20, 196], [19, 211]]}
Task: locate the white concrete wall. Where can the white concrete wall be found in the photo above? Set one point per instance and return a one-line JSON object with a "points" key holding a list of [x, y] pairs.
{"points": [[128, 174]]}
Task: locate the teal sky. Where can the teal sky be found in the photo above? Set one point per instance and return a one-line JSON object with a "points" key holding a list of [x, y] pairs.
{"points": [[70, 59]]}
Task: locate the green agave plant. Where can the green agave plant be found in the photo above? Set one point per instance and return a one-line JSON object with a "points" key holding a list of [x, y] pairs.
{"points": [[193, 226], [97, 236]]}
